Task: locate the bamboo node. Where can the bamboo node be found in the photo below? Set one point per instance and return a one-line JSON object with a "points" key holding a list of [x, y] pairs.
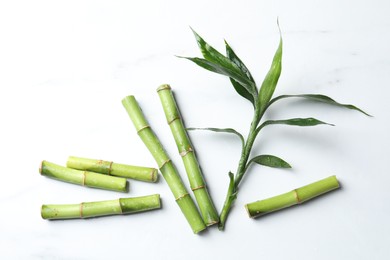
{"points": [[81, 210], [182, 196], [142, 128], [296, 196], [110, 168], [198, 188], [162, 165], [173, 119], [184, 153]]}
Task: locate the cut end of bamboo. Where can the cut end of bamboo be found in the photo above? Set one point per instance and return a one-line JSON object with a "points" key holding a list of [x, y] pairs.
{"points": [[212, 223], [163, 87], [247, 211], [127, 187], [197, 231], [154, 175], [43, 216], [40, 167]]}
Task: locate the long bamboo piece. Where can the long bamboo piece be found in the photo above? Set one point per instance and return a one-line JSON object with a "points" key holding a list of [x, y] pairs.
{"points": [[294, 197], [101, 208], [84, 178], [115, 169], [186, 151], [164, 163]]}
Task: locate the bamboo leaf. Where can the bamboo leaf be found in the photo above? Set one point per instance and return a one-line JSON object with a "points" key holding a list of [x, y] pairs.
{"points": [[271, 79], [236, 60], [214, 56], [217, 68], [237, 86], [220, 130], [218, 63], [295, 122], [240, 89], [270, 161], [319, 98]]}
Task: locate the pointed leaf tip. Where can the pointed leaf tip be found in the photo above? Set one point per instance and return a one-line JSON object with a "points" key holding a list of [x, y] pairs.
{"points": [[270, 81], [216, 62], [319, 98]]}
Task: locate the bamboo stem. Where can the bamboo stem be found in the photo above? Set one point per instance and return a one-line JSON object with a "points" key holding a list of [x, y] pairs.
{"points": [[101, 208], [197, 183], [294, 197], [165, 165], [110, 168], [84, 178]]}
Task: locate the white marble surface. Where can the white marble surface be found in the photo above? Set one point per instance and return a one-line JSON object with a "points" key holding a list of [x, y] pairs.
{"points": [[65, 66]]}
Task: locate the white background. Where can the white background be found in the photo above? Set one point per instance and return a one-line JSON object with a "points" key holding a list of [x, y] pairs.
{"points": [[66, 65]]}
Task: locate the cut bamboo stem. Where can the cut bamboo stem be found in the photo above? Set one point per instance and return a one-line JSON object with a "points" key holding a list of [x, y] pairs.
{"points": [[84, 178], [186, 150], [165, 165], [294, 197], [115, 169], [101, 208]]}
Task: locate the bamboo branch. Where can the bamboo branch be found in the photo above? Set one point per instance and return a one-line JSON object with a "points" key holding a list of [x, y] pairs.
{"points": [[116, 169], [101, 208], [84, 178], [297, 196], [165, 165], [197, 183]]}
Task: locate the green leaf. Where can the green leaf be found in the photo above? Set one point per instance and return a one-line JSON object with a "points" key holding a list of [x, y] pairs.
{"points": [[237, 86], [236, 60], [216, 62], [243, 92], [271, 79], [319, 98], [221, 130], [295, 122], [217, 68], [270, 161]]}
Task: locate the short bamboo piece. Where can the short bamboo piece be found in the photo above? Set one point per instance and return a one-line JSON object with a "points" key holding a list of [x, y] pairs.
{"points": [[165, 165], [186, 150], [297, 196], [84, 178], [101, 208], [115, 169]]}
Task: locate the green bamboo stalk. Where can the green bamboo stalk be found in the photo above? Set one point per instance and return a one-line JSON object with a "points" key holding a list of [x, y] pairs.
{"points": [[165, 165], [294, 197], [85, 178], [115, 169], [197, 182], [101, 208]]}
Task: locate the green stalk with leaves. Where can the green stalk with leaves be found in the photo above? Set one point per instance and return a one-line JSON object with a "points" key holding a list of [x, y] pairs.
{"points": [[294, 197], [139, 173], [187, 153], [261, 99], [101, 208], [165, 164]]}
